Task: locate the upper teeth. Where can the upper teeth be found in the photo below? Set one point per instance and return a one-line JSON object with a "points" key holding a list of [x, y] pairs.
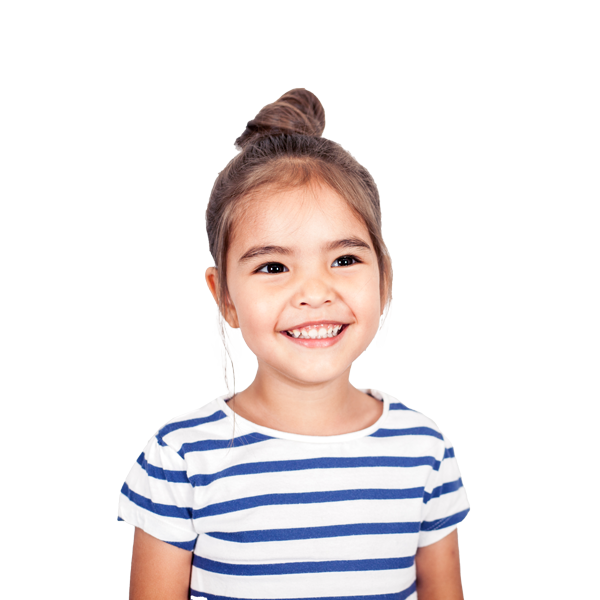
{"points": [[316, 332]]}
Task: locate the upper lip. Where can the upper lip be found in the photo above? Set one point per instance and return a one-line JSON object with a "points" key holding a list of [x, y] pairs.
{"points": [[310, 323]]}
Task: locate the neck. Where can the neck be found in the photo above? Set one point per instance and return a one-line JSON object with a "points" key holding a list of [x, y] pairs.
{"points": [[324, 408]]}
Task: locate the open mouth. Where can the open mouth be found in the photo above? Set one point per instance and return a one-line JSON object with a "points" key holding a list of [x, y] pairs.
{"points": [[316, 332]]}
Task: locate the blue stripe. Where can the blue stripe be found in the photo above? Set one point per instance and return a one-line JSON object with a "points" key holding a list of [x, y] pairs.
{"points": [[446, 522], [306, 533], [322, 566], [408, 431], [221, 508], [164, 510], [449, 453], [446, 488], [158, 473], [119, 519], [314, 463], [393, 596], [183, 545], [204, 445], [216, 416], [398, 406]]}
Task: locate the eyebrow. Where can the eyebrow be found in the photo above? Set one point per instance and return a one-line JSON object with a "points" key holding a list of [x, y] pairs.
{"points": [[352, 242], [264, 250]]}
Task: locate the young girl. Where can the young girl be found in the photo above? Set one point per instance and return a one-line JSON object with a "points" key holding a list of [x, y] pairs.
{"points": [[300, 486]]}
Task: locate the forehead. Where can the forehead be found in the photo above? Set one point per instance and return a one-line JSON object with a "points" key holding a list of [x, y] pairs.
{"points": [[298, 217]]}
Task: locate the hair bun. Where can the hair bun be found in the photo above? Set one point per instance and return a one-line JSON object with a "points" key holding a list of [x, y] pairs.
{"points": [[297, 111]]}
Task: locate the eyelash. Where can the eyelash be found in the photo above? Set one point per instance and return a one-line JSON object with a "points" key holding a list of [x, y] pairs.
{"points": [[354, 260], [260, 269]]}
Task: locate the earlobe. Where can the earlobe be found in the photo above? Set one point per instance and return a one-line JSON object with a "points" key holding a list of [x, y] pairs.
{"points": [[228, 309], [230, 314]]}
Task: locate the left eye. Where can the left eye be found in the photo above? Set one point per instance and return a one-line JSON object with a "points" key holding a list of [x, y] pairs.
{"points": [[272, 268], [344, 261]]}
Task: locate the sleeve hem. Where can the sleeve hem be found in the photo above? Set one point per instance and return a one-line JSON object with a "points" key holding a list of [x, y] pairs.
{"points": [[170, 534], [426, 538]]}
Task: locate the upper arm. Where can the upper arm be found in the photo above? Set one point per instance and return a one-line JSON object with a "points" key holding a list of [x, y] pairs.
{"points": [[438, 570], [159, 571]]}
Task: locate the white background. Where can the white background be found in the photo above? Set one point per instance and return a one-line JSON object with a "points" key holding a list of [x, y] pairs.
{"points": [[416, 141], [72, 230]]}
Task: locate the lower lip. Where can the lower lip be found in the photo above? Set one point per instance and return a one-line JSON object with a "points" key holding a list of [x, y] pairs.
{"points": [[310, 343]]}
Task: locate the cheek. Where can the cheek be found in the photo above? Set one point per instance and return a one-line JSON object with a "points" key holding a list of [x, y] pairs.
{"points": [[257, 311], [368, 300], [373, 312]]}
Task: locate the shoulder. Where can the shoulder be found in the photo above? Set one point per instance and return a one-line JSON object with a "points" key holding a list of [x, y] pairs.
{"points": [[401, 414], [403, 421], [207, 422]]}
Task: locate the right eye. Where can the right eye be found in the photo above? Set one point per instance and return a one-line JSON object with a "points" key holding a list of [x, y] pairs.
{"points": [[272, 268]]}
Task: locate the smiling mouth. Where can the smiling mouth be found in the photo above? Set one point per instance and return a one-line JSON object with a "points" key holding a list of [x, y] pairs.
{"points": [[316, 332]]}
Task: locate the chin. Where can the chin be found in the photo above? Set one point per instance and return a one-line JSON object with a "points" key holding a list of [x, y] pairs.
{"points": [[311, 376]]}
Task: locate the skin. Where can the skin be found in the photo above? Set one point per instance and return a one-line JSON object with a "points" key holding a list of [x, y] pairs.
{"points": [[297, 389], [438, 570], [159, 571], [300, 256]]}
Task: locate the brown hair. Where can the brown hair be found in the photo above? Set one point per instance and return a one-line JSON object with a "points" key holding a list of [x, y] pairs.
{"points": [[282, 149]]}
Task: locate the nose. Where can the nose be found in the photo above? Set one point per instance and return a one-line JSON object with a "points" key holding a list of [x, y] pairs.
{"points": [[313, 292]]}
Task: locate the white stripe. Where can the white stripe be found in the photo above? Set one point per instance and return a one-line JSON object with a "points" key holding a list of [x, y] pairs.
{"points": [[315, 515], [309, 585], [313, 480], [343, 548], [160, 490]]}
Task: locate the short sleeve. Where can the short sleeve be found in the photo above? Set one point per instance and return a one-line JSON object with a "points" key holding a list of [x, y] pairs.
{"points": [[445, 499], [157, 496]]}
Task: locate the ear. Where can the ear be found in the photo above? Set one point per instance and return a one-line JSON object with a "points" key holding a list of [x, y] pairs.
{"points": [[228, 311]]}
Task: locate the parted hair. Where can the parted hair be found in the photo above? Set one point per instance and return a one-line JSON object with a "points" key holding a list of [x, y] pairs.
{"points": [[282, 149]]}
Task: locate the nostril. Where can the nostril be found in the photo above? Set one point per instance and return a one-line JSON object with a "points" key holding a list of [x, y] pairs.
{"points": [[310, 304]]}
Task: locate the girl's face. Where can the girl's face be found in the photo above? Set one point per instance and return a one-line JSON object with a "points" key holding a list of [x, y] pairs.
{"points": [[303, 281]]}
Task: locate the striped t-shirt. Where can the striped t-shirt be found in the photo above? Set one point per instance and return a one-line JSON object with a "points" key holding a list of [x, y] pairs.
{"points": [[273, 515]]}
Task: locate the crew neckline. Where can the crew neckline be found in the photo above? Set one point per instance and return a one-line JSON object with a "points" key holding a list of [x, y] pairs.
{"points": [[247, 426]]}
